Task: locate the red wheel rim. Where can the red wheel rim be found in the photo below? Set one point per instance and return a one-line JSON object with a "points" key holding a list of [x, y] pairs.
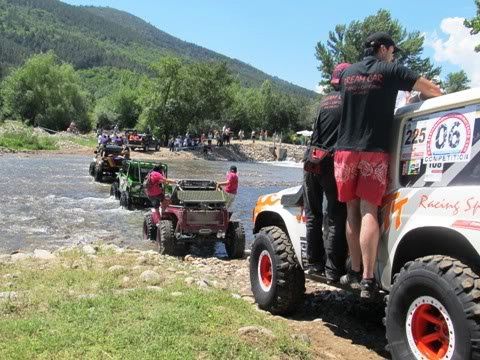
{"points": [[431, 331], [265, 270]]}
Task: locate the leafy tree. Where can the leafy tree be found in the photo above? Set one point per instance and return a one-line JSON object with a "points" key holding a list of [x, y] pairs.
{"points": [[345, 44], [119, 108], [159, 109], [205, 87], [46, 93], [474, 24], [182, 95], [246, 108], [456, 81]]}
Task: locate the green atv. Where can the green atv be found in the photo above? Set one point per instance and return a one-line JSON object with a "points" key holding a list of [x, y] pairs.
{"points": [[128, 188]]}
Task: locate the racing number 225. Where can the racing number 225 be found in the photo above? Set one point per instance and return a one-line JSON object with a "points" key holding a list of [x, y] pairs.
{"points": [[415, 136]]}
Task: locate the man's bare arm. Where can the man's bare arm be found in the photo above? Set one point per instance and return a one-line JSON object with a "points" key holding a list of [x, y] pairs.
{"points": [[427, 88]]}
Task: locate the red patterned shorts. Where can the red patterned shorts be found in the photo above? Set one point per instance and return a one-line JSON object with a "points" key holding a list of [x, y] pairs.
{"points": [[361, 175]]}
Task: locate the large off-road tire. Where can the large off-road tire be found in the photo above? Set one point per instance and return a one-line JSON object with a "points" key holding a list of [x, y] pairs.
{"points": [[235, 240], [277, 280], [166, 242], [114, 191], [125, 200], [91, 169], [149, 228], [433, 310], [98, 173]]}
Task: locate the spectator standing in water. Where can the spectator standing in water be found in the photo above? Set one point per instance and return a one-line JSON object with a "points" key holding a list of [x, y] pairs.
{"points": [[230, 186], [154, 190]]}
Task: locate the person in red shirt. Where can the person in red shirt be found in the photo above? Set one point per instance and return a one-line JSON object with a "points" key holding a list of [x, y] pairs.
{"points": [[369, 89], [154, 188], [230, 186]]}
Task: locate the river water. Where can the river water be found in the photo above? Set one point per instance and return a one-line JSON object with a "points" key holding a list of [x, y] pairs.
{"points": [[48, 202]]}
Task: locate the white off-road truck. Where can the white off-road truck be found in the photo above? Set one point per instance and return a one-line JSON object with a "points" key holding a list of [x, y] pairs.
{"points": [[428, 258]]}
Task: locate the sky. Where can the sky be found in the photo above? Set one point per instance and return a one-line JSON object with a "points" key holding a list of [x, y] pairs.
{"points": [[279, 36]]}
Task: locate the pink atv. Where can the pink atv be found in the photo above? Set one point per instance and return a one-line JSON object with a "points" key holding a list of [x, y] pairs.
{"points": [[194, 213]]}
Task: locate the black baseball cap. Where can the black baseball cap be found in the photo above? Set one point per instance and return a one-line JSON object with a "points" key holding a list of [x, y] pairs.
{"points": [[381, 38], [233, 168]]}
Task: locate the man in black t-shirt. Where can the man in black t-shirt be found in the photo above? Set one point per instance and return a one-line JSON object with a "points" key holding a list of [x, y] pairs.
{"points": [[327, 248], [369, 90]]}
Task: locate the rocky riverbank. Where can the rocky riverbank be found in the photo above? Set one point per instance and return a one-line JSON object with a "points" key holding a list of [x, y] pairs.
{"points": [[333, 323], [68, 143]]}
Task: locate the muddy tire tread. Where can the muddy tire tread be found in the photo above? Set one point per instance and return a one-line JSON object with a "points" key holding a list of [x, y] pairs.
{"points": [[235, 241], [290, 277], [166, 240], [465, 283], [151, 227]]}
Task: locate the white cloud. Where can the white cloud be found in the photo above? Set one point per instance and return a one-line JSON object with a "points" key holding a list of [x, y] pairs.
{"points": [[458, 48], [320, 89]]}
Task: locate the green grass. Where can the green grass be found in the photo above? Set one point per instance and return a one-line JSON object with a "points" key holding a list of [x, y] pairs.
{"points": [[16, 136], [49, 320], [84, 140]]}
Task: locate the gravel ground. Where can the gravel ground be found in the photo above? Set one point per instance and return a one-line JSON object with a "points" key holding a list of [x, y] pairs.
{"points": [[337, 324]]}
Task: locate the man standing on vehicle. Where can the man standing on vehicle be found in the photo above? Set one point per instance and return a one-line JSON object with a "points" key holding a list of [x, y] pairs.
{"points": [[153, 188], [230, 186], [327, 248], [369, 89]]}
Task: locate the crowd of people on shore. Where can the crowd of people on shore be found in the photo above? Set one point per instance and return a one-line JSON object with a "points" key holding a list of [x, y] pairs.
{"points": [[189, 141], [212, 138], [347, 162], [115, 139]]}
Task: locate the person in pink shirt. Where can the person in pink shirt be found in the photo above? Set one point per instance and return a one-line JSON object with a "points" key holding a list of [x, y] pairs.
{"points": [[154, 189], [230, 186]]}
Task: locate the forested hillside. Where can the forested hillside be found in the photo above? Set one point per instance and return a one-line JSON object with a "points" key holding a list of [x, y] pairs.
{"points": [[90, 37]]}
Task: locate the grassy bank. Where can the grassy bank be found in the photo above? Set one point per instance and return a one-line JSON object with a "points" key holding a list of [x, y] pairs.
{"points": [[79, 306], [16, 136], [89, 140]]}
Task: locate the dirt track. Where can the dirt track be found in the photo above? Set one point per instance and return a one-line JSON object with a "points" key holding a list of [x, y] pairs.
{"points": [[337, 324]]}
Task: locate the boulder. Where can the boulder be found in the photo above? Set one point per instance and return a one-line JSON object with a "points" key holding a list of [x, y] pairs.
{"points": [[150, 276], [43, 254], [256, 331], [89, 250], [8, 295], [20, 257], [189, 280], [116, 268], [154, 288], [203, 283], [142, 260]]}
